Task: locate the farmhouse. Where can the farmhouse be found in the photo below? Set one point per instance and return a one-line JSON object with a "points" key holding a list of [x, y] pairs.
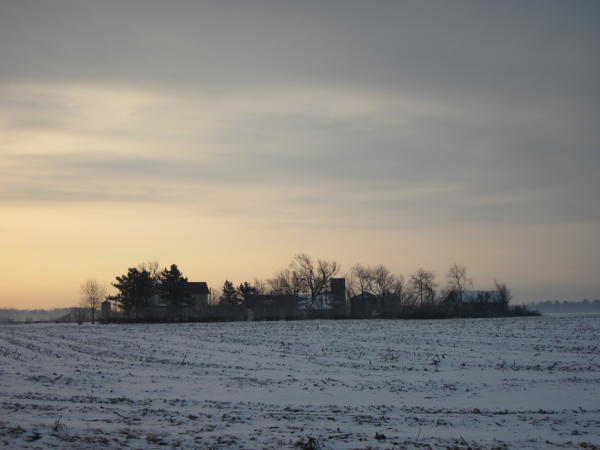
{"points": [[369, 304], [332, 301], [281, 306], [365, 304], [271, 307], [199, 292]]}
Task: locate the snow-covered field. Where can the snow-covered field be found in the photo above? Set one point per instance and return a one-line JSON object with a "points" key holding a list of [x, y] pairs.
{"points": [[492, 383]]}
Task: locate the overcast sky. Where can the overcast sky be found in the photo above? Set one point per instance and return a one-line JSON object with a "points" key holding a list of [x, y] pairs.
{"points": [[228, 136]]}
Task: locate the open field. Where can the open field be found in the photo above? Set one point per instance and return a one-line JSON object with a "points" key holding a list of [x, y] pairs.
{"points": [[493, 383]]}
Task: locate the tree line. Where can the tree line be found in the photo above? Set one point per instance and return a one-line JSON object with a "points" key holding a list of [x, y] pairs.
{"points": [[136, 288], [304, 277], [307, 277]]}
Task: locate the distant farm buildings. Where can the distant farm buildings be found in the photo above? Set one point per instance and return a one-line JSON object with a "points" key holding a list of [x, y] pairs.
{"points": [[196, 304], [469, 297], [307, 291], [279, 307]]}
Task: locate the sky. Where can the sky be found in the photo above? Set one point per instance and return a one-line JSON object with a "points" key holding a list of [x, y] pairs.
{"points": [[226, 137]]}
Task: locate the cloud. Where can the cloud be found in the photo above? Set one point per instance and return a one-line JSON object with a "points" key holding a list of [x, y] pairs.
{"points": [[406, 130], [340, 147]]}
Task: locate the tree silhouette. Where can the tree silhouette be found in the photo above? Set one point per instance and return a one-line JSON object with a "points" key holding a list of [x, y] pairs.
{"points": [[504, 293], [314, 278], [423, 285], [361, 279], [286, 282], [174, 288], [135, 289], [229, 296], [458, 281], [247, 291], [92, 292]]}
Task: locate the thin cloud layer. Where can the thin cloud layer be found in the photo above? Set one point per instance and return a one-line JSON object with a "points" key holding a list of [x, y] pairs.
{"points": [[97, 143], [418, 117]]}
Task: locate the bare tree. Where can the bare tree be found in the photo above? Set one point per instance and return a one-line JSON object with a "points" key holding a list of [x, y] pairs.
{"points": [[350, 285], [152, 267], [92, 293], [400, 291], [382, 282], [458, 281], [303, 265], [326, 271], [314, 278], [362, 279], [286, 282], [260, 286], [213, 296], [422, 285], [504, 292]]}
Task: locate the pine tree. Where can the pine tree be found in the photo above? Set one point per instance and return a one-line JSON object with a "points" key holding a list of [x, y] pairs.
{"points": [[229, 296], [135, 289], [247, 291], [175, 289]]}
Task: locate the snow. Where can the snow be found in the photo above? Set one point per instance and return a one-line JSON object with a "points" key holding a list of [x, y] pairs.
{"points": [[492, 383]]}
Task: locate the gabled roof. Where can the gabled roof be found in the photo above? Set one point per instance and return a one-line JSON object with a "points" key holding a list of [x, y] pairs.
{"points": [[198, 287], [364, 296]]}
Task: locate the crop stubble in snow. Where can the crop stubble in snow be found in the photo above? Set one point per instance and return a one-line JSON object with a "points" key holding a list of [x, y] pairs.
{"points": [[492, 383]]}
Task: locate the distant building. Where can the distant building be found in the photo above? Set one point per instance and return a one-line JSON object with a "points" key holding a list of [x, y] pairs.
{"points": [[199, 292], [105, 312], [365, 304], [320, 303], [280, 306], [271, 307], [329, 302], [338, 295]]}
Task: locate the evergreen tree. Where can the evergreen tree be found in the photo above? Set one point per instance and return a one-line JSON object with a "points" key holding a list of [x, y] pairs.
{"points": [[135, 289], [247, 291], [174, 288], [230, 295]]}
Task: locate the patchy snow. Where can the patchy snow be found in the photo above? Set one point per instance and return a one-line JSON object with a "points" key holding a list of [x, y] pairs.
{"points": [[494, 383]]}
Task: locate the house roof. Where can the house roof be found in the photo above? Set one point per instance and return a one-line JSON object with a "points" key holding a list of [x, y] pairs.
{"points": [[198, 287], [364, 296]]}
